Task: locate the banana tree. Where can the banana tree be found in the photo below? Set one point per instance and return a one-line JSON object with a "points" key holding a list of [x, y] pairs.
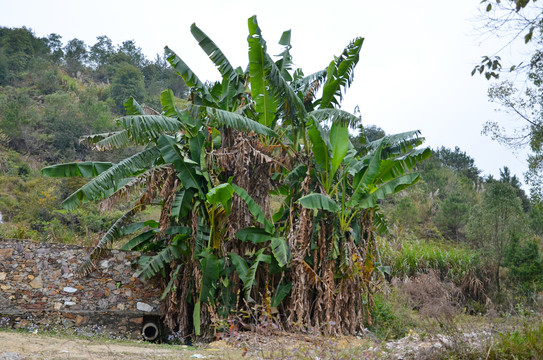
{"points": [[215, 162]]}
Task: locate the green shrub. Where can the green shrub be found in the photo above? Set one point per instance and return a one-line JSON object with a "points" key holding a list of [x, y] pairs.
{"points": [[524, 344], [525, 266], [391, 319]]}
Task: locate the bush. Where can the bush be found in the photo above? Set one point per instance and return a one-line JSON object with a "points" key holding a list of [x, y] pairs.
{"points": [[524, 262], [524, 344], [391, 319]]}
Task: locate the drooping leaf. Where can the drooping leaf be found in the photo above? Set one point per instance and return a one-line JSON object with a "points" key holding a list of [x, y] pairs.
{"points": [[157, 262], [334, 116], [106, 182], [175, 230], [196, 318], [133, 227], [131, 107], [136, 243], [365, 177], [209, 265], [251, 273], [115, 231], [254, 235], [145, 128], [320, 144], [186, 172], [280, 293], [85, 169], [236, 121], [388, 188], [308, 85], [280, 250], [169, 149], [109, 141], [167, 100], [181, 205], [170, 283], [153, 224], [202, 236], [240, 265], [221, 194], [254, 208], [196, 145], [319, 202]]}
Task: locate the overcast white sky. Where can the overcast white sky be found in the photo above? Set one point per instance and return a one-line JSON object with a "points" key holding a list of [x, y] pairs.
{"points": [[414, 69]]}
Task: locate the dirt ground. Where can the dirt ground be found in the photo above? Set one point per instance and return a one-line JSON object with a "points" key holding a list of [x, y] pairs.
{"points": [[17, 346]]}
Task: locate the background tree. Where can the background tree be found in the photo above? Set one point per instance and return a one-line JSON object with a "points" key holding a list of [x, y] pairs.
{"points": [[515, 20], [133, 53], [54, 42], [496, 221], [127, 82], [100, 53], [75, 55], [460, 162], [453, 215]]}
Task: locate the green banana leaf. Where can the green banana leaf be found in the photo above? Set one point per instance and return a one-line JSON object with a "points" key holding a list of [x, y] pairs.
{"points": [[336, 115], [86, 169], [254, 235], [155, 263], [108, 181], [131, 107], [340, 74], [136, 243], [319, 202], [181, 205], [148, 127], [251, 274], [213, 51], [280, 293], [236, 121], [281, 251], [254, 208], [209, 265], [221, 194], [388, 188], [284, 64], [339, 140], [265, 104]]}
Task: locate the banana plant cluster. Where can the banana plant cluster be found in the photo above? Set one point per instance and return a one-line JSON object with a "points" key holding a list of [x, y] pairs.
{"points": [[214, 163]]}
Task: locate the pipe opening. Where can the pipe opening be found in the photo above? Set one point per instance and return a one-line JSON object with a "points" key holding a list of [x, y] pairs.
{"points": [[150, 331]]}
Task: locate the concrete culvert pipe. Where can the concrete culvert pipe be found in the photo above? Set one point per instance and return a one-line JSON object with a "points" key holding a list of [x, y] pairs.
{"points": [[150, 331]]}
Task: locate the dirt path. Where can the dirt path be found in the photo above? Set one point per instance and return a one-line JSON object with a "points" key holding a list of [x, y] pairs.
{"points": [[16, 346]]}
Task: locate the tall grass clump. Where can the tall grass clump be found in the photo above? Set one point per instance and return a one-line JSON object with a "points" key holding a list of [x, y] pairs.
{"points": [[462, 266]]}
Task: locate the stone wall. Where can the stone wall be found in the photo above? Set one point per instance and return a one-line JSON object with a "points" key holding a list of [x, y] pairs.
{"points": [[39, 289]]}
